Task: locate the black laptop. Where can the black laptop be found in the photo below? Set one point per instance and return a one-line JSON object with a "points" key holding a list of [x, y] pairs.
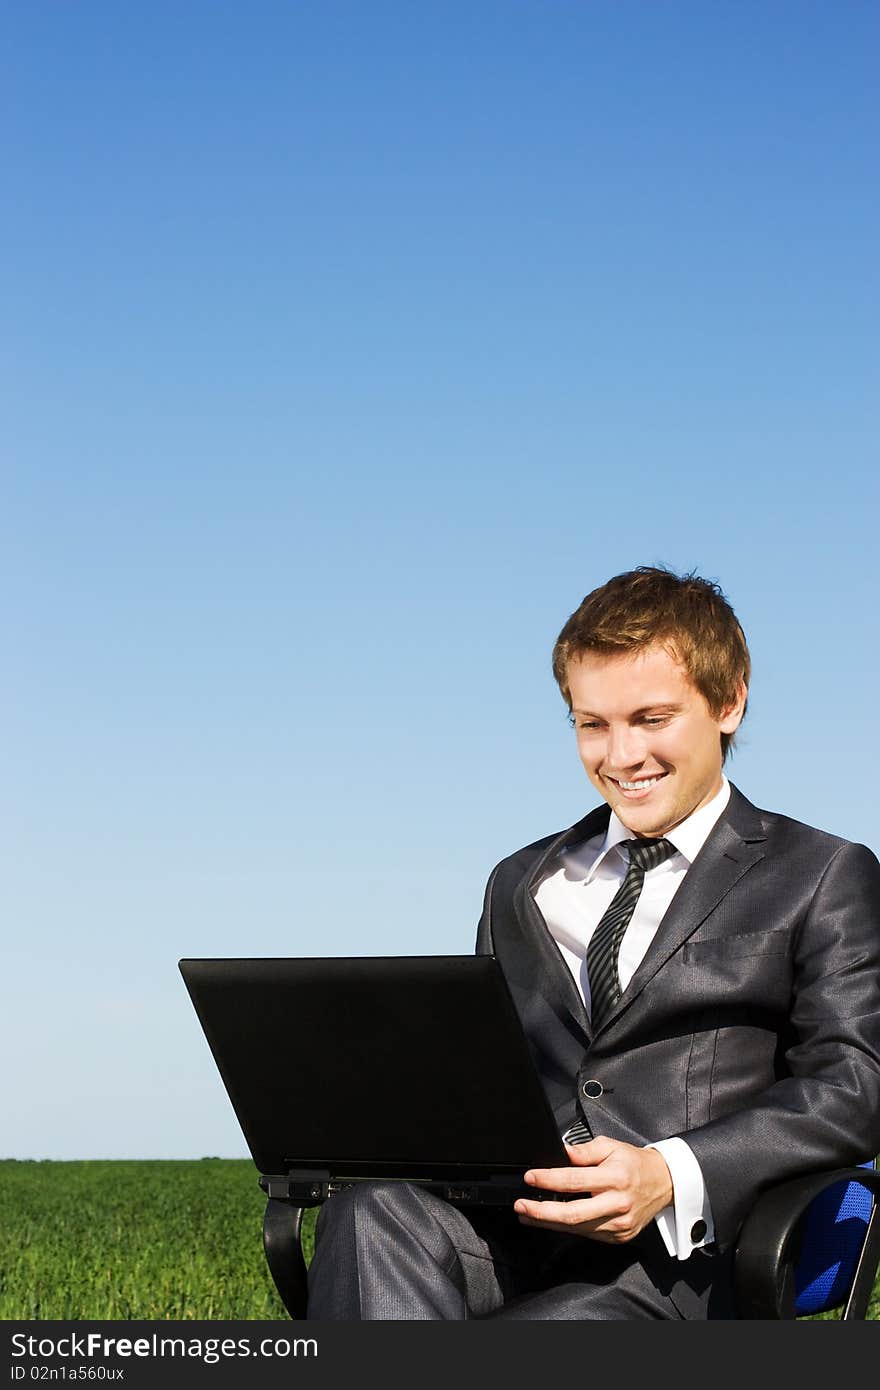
{"points": [[343, 1070]]}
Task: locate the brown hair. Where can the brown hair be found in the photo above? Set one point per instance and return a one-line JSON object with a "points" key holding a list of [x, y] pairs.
{"points": [[651, 605]]}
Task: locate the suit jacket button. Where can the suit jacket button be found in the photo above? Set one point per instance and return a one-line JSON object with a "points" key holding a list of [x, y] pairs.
{"points": [[593, 1089], [698, 1231]]}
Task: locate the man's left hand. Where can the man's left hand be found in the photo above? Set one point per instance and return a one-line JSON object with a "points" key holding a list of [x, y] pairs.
{"points": [[624, 1188]]}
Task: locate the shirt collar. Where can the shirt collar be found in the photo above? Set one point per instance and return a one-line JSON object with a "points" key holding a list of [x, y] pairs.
{"points": [[688, 837]]}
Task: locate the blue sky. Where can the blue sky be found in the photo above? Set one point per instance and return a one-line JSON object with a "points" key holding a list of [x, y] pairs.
{"points": [[345, 347]]}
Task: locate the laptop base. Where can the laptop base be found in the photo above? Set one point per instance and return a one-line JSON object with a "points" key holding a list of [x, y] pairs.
{"points": [[311, 1187]]}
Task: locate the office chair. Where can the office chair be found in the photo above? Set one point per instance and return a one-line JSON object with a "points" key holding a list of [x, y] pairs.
{"points": [[811, 1245]]}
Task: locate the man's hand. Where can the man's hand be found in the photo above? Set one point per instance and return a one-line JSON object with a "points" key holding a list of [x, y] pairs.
{"points": [[624, 1189]]}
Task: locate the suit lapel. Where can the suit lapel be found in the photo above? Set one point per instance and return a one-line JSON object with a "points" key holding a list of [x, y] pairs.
{"points": [[733, 846], [532, 954]]}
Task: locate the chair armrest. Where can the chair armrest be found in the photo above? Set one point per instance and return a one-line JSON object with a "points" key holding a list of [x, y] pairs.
{"points": [[767, 1249], [282, 1233]]}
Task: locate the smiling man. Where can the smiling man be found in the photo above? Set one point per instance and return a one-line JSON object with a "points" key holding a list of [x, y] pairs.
{"points": [[699, 981]]}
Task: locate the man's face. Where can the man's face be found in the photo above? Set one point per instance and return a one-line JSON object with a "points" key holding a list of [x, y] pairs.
{"points": [[646, 736]]}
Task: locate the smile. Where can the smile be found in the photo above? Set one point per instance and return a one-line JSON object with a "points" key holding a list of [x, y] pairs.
{"points": [[643, 784]]}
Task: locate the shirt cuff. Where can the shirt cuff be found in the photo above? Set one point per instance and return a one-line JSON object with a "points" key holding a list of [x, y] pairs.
{"points": [[686, 1224]]}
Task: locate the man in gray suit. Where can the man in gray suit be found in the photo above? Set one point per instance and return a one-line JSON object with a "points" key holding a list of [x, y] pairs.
{"points": [[699, 981]]}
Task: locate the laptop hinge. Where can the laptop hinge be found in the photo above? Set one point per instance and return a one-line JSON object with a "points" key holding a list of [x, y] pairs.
{"points": [[298, 1185]]}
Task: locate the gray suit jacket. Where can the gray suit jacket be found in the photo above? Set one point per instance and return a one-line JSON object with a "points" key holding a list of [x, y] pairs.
{"points": [[752, 1026]]}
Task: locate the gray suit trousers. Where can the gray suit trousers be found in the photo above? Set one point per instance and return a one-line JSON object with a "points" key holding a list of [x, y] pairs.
{"points": [[392, 1251]]}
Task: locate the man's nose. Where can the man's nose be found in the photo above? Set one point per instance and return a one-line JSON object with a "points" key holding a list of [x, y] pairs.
{"points": [[626, 747]]}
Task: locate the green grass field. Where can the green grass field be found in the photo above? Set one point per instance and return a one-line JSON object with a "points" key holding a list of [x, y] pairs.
{"points": [[170, 1240], [134, 1240]]}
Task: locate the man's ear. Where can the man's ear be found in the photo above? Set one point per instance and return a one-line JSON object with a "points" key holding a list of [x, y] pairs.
{"points": [[731, 715]]}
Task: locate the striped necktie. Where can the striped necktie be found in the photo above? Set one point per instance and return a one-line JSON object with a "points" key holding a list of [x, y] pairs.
{"points": [[604, 947]]}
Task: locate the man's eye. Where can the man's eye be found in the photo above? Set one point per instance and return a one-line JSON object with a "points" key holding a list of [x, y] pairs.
{"points": [[657, 719], [588, 724]]}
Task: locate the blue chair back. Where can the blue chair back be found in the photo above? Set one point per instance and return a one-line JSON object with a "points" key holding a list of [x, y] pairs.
{"points": [[833, 1233]]}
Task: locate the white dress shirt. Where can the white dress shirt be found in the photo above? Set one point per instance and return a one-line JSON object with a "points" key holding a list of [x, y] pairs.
{"points": [[572, 899]]}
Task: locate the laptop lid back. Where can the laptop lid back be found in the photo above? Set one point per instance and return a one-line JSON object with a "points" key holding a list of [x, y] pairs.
{"points": [[413, 1066]]}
